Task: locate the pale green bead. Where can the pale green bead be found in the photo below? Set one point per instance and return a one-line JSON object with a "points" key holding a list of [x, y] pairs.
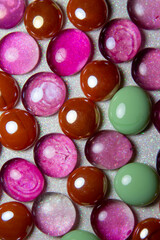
{"points": [[79, 235], [129, 110]]}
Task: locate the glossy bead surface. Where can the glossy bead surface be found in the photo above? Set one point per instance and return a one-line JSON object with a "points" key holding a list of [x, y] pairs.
{"points": [[119, 40], [87, 185], [100, 80], [112, 220], [79, 235], [18, 129], [21, 180], [144, 13], [156, 115], [9, 98], [129, 110], [43, 19], [137, 184], [73, 118], [15, 221], [43, 94], [85, 16], [108, 149], [68, 52]]}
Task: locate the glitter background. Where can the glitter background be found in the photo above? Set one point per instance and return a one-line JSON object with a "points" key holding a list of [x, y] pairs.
{"points": [[146, 144]]}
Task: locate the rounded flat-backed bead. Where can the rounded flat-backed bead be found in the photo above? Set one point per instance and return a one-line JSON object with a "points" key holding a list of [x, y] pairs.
{"points": [[156, 115], [79, 235]]}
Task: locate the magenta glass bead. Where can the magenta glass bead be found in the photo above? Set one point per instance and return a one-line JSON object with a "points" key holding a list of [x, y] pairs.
{"points": [[19, 53], [145, 13], [145, 69], [120, 40], [21, 180], [68, 52], [156, 115], [108, 149], [113, 219], [43, 94], [56, 155], [54, 214], [11, 13]]}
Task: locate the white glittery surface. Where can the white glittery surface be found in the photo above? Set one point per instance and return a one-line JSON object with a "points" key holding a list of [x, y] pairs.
{"points": [[146, 144]]}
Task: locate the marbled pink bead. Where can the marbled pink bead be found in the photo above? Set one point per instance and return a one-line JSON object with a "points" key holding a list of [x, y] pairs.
{"points": [[108, 149], [11, 13], [119, 40], [43, 94], [145, 13], [112, 220], [68, 52], [56, 155], [54, 214], [146, 69], [19, 53], [21, 180]]}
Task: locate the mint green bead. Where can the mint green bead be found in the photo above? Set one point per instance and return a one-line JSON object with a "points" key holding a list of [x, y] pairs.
{"points": [[137, 184], [79, 235], [129, 110]]}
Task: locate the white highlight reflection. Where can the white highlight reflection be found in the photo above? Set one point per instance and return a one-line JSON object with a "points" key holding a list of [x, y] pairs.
{"points": [[71, 116], [80, 13], [144, 233], [11, 127], [110, 43], [92, 81], [79, 182], [6, 216], [38, 22], [126, 180], [121, 110]]}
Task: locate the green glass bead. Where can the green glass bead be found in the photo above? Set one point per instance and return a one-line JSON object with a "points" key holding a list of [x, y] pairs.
{"points": [[79, 235], [129, 110], [137, 184]]}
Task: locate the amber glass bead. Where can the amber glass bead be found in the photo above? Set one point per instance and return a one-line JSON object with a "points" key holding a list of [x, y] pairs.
{"points": [[100, 80], [87, 15], [15, 221], [79, 118], [18, 129], [43, 19], [87, 185]]}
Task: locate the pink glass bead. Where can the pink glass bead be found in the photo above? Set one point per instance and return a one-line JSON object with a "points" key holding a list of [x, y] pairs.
{"points": [[19, 53], [21, 180], [112, 220], [68, 52], [56, 155], [145, 69], [119, 40], [156, 115], [108, 149], [54, 214], [145, 13], [11, 13], [43, 94]]}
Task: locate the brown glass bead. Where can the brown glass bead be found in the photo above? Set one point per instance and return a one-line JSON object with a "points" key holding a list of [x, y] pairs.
{"points": [[9, 91], [15, 221], [100, 80], [18, 129], [87, 15], [43, 19], [148, 229], [79, 118], [87, 185]]}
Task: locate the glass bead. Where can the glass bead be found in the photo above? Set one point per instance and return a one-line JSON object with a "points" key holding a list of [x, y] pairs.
{"points": [[158, 163], [112, 219], [43, 94], [21, 180], [120, 40], [15, 221], [108, 149], [137, 184], [56, 155], [54, 214], [100, 80], [68, 52], [43, 19], [129, 110], [79, 235], [87, 185], [74, 115], [156, 115]]}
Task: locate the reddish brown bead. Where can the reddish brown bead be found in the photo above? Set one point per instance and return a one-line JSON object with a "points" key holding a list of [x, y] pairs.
{"points": [[79, 118], [43, 19], [87, 15], [15, 221], [18, 129], [100, 80], [87, 185]]}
